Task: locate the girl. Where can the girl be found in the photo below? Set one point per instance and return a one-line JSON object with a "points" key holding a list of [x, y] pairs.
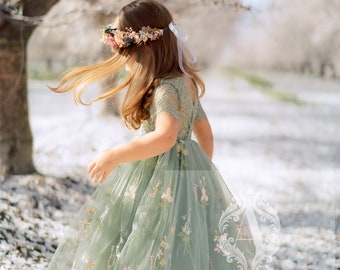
{"points": [[161, 202]]}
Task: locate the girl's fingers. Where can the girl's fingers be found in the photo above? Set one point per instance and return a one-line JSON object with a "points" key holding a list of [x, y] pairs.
{"points": [[93, 173], [99, 177], [91, 166], [97, 173], [102, 180]]}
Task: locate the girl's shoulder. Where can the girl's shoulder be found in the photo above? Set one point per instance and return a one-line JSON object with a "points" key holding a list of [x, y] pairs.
{"points": [[174, 82], [169, 89]]}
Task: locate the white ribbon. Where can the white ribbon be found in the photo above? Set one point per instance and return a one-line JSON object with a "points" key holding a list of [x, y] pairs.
{"points": [[182, 39]]}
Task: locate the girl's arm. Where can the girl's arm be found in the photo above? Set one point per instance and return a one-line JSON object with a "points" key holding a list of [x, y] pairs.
{"points": [[204, 136], [151, 144]]}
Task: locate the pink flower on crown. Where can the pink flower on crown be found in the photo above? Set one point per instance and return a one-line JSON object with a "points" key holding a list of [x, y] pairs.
{"points": [[110, 40], [119, 41]]}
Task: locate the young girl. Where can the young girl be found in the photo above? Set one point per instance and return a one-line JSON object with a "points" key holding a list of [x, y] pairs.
{"points": [[161, 202]]}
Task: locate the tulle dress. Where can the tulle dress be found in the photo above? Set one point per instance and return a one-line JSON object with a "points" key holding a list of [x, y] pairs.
{"points": [[167, 212]]}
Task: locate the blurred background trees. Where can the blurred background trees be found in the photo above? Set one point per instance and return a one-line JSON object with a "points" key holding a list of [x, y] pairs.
{"points": [[70, 36], [299, 36]]}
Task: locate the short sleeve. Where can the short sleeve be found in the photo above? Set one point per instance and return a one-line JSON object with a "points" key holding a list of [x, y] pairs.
{"points": [[166, 100], [200, 114]]}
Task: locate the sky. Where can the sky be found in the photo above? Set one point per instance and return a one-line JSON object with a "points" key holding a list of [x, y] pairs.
{"points": [[258, 7], [257, 4]]}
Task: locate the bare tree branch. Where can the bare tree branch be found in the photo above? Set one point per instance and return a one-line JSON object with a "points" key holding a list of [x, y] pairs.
{"points": [[23, 19], [12, 13]]}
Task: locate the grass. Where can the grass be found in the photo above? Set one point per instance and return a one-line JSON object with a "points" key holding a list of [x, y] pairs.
{"points": [[43, 75], [265, 86]]}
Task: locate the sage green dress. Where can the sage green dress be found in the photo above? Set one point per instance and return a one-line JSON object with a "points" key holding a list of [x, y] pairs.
{"points": [[166, 212]]}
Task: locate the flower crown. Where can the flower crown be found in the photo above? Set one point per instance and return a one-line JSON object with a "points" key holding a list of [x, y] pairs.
{"points": [[121, 39]]}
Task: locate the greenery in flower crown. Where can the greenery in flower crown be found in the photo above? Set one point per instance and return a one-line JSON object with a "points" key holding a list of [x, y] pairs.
{"points": [[122, 39]]}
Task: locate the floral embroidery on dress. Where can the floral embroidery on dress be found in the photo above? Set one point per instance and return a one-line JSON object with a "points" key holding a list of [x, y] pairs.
{"points": [[115, 253], [204, 196], [155, 189], [121, 241], [218, 248], [131, 192], [159, 260], [186, 231], [167, 195], [160, 254], [90, 210], [181, 149], [109, 261], [226, 246], [85, 229], [90, 265], [85, 259]]}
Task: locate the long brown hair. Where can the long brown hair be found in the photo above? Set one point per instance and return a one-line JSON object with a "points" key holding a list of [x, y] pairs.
{"points": [[152, 61]]}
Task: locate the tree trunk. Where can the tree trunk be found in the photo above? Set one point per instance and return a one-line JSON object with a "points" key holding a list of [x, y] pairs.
{"points": [[15, 133]]}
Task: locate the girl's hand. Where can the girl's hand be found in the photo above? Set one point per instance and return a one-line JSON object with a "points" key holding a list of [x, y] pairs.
{"points": [[149, 145], [102, 165]]}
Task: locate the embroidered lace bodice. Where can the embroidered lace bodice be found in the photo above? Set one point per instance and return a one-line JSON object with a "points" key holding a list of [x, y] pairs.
{"points": [[172, 96]]}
